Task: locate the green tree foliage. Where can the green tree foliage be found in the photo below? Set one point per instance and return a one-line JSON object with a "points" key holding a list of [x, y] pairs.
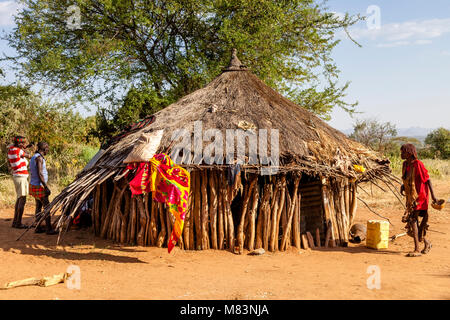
{"points": [[439, 140], [167, 49], [25, 113], [137, 104], [374, 134]]}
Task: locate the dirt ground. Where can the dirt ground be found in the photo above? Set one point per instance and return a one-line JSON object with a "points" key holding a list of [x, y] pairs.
{"points": [[110, 271]]}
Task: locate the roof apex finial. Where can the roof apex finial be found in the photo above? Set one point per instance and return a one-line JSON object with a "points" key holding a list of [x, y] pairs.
{"points": [[235, 63]]}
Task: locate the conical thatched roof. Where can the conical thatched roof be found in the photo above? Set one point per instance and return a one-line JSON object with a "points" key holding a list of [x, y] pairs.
{"points": [[236, 97]]}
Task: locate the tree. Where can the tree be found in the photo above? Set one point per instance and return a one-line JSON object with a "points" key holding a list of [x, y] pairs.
{"points": [[174, 47], [137, 104], [374, 134], [439, 140], [25, 113]]}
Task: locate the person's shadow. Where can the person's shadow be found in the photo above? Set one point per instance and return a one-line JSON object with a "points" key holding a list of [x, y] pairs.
{"points": [[40, 244]]}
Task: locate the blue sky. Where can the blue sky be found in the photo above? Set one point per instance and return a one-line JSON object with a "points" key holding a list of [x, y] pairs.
{"points": [[402, 72]]}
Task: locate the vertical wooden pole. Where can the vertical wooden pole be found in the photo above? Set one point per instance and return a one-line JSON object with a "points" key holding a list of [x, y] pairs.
{"points": [[228, 217], [261, 216], [204, 209], [197, 210], [191, 214], [318, 238], [133, 220], [353, 203], [305, 241], [213, 207], [296, 226], [147, 201], [104, 206], [285, 238], [125, 215], [328, 234], [142, 221], [344, 207], [310, 240], [168, 217], [270, 210], [254, 208], [162, 233], [153, 223], [187, 223], [247, 193], [220, 220], [97, 212], [281, 206]]}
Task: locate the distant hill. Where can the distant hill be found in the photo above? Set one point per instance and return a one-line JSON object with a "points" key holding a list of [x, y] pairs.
{"points": [[414, 132]]}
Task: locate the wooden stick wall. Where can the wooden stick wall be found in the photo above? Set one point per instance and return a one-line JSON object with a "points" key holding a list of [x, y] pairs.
{"points": [[269, 213]]}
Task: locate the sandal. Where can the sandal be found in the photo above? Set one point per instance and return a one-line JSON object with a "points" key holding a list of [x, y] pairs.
{"points": [[427, 248], [414, 254]]}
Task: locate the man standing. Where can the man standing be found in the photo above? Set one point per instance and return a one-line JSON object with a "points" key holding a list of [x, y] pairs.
{"points": [[38, 184], [18, 165], [416, 184]]}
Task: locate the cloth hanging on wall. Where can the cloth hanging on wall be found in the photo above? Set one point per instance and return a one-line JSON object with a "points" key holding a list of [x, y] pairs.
{"points": [[169, 184]]}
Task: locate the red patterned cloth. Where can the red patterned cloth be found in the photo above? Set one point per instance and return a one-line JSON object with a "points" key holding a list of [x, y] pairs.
{"points": [[421, 176], [169, 184], [37, 191]]}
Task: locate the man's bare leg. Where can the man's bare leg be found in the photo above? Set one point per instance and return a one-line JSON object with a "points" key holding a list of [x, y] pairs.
{"points": [[415, 228], [18, 212], [427, 246]]}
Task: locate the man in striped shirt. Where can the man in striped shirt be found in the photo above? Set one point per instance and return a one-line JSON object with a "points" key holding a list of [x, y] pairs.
{"points": [[18, 165]]}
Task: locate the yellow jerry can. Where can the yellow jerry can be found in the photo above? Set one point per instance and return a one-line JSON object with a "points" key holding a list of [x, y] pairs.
{"points": [[377, 234]]}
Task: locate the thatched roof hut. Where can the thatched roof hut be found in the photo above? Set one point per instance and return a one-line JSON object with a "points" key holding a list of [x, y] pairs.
{"points": [[312, 193]]}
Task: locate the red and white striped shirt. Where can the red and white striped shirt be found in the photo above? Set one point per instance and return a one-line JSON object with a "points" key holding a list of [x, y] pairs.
{"points": [[16, 157]]}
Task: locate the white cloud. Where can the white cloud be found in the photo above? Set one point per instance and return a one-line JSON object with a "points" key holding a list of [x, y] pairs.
{"points": [[393, 44], [7, 10], [404, 33]]}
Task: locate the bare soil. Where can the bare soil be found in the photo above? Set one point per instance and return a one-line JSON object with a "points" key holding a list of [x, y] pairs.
{"points": [[112, 271]]}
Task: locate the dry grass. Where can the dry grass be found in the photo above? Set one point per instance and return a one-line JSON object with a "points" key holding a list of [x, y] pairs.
{"points": [[437, 168], [8, 193]]}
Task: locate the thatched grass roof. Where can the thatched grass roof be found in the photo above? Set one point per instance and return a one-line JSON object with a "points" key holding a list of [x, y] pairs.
{"points": [[237, 95]]}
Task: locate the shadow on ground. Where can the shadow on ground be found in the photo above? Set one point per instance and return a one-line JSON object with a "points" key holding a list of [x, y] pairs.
{"points": [[45, 245]]}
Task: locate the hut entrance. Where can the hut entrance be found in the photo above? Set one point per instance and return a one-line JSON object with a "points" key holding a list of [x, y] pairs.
{"points": [[236, 208], [312, 214]]}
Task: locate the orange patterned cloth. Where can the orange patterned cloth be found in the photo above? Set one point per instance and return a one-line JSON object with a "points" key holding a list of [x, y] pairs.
{"points": [[169, 183]]}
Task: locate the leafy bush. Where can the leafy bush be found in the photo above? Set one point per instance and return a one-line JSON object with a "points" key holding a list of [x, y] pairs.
{"points": [[439, 141], [25, 113]]}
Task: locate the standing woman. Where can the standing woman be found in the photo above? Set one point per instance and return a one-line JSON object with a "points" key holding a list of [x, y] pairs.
{"points": [[38, 184], [416, 184], [17, 160]]}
